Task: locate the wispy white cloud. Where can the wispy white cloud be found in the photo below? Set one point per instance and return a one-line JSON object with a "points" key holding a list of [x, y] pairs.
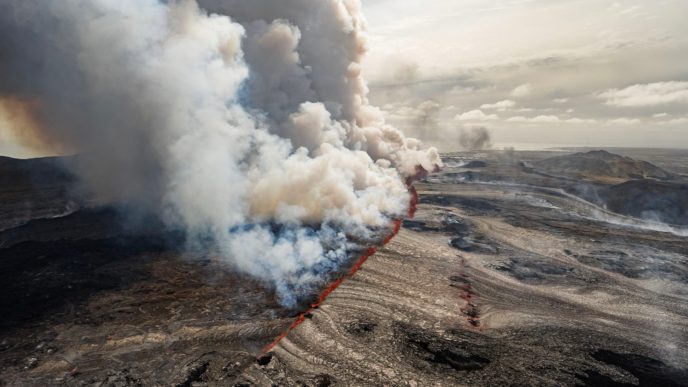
{"points": [[501, 105], [461, 90], [580, 121], [676, 121], [649, 94], [624, 121], [550, 119], [522, 91], [476, 115]]}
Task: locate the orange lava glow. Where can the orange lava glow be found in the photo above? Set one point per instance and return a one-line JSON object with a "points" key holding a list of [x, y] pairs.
{"points": [[21, 125]]}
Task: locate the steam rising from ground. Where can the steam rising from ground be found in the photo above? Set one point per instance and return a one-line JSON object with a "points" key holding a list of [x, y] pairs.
{"points": [[248, 126]]}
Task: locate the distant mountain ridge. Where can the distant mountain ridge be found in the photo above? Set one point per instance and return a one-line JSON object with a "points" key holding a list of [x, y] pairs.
{"points": [[624, 185], [602, 165]]}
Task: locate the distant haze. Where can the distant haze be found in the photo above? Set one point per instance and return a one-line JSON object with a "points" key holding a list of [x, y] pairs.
{"points": [[557, 72]]}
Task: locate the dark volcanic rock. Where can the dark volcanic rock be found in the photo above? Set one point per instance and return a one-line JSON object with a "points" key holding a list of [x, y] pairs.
{"points": [[473, 245], [475, 164], [643, 264], [537, 270], [435, 352], [648, 371], [361, 327], [415, 225]]}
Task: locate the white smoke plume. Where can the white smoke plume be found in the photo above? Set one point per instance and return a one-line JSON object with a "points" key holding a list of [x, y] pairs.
{"points": [[245, 122]]}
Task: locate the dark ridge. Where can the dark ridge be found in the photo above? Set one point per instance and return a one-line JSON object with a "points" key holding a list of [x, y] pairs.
{"points": [[601, 164], [36, 172]]}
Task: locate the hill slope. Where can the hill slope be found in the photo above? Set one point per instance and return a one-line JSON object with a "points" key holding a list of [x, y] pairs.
{"points": [[650, 199], [602, 165]]}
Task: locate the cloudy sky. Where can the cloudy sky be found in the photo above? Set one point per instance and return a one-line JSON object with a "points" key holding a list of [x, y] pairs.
{"points": [[534, 72]]}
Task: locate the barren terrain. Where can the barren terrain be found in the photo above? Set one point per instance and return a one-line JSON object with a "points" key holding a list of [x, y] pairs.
{"points": [[506, 276]]}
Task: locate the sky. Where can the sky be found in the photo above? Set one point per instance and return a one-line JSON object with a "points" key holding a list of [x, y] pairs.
{"points": [[533, 72]]}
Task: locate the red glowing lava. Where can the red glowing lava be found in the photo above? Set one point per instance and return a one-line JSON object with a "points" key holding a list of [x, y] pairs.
{"points": [[396, 226], [413, 205], [470, 309]]}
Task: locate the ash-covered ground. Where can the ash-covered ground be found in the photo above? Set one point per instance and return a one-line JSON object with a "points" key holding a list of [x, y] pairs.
{"points": [[515, 271]]}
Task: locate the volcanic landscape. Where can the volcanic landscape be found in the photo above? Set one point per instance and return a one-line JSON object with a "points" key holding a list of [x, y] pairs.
{"points": [[519, 268]]}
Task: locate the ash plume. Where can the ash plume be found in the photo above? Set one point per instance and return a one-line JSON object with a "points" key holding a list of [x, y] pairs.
{"points": [[243, 122], [475, 138]]}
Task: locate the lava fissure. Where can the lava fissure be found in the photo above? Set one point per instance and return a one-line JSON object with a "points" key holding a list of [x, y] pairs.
{"points": [[396, 227], [470, 309], [334, 285]]}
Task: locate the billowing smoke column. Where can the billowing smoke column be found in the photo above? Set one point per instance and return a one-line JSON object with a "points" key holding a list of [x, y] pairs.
{"points": [[243, 122]]}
